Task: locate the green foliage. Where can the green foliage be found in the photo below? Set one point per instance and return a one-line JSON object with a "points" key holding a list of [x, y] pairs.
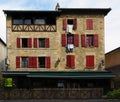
{"points": [[115, 94]]}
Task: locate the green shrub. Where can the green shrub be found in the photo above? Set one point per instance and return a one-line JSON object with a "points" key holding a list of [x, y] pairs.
{"points": [[114, 94]]}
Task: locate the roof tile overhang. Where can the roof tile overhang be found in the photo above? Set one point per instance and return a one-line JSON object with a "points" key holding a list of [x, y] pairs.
{"points": [[63, 74], [80, 11]]}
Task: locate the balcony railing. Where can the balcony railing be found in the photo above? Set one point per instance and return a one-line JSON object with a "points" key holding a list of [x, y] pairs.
{"points": [[34, 28]]}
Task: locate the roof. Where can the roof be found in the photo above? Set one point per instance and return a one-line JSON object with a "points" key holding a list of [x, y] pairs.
{"points": [[3, 42], [103, 11], [63, 74], [115, 50]]}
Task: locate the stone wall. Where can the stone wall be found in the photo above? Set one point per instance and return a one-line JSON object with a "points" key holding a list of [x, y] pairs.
{"points": [[88, 93]]}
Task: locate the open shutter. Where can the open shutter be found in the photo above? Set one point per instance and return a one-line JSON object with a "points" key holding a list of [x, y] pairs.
{"points": [[64, 24], [90, 61], [96, 40], [35, 43], [29, 42], [48, 62], [18, 62], [75, 24], [89, 24], [76, 40], [34, 62], [83, 40], [47, 43], [18, 42], [64, 40]]}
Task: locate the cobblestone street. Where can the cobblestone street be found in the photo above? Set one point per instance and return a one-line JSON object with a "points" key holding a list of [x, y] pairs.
{"points": [[57, 100]]}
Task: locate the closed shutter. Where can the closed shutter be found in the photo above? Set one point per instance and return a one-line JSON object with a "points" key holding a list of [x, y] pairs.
{"points": [[64, 24], [90, 61], [76, 40], [48, 62], [70, 61], [35, 43], [29, 42], [89, 24], [96, 40], [83, 40], [75, 24], [64, 40], [18, 62], [47, 43], [30, 61], [18, 42]]}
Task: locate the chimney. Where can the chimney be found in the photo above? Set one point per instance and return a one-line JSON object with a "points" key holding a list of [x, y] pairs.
{"points": [[57, 7]]}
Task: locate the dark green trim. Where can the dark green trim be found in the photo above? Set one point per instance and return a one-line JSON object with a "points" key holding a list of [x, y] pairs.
{"points": [[102, 74]]}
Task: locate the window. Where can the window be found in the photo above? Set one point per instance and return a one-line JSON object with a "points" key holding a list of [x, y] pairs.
{"points": [[70, 39], [90, 61], [24, 42], [39, 21], [17, 21], [24, 62], [27, 21], [71, 22], [44, 62], [89, 24], [41, 43], [70, 61], [89, 40]]}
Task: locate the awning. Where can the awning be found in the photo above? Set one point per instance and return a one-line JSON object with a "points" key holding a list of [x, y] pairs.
{"points": [[80, 75], [61, 74]]}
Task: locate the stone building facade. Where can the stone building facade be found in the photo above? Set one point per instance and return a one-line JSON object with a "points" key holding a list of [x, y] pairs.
{"points": [[57, 49]]}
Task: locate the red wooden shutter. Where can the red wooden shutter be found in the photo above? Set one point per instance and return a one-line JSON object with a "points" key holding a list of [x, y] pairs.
{"points": [[64, 40], [18, 42], [76, 40], [89, 24], [47, 43], [30, 61], [90, 61], [70, 60], [83, 40], [29, 42], [17, 61], [75, 24], [64, 24], [48, 62], [35, 43], [96, 40], [34, 62]]}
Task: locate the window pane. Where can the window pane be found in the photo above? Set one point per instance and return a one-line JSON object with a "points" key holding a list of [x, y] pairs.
{"points": [[24, 43], [17, 21], [39, 21], [24, 62], [27, 21], [42, 42], [41, 62], [90, 40]]}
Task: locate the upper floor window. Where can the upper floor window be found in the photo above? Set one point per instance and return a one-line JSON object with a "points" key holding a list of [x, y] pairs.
{"points": [[89, 24], [89, 40], [39, 21], [24, 42], [27, 21], [24, 62], [17, 21]]}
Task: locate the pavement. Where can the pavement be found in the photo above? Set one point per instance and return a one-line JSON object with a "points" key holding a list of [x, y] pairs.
{"points": [[64, 100]]}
